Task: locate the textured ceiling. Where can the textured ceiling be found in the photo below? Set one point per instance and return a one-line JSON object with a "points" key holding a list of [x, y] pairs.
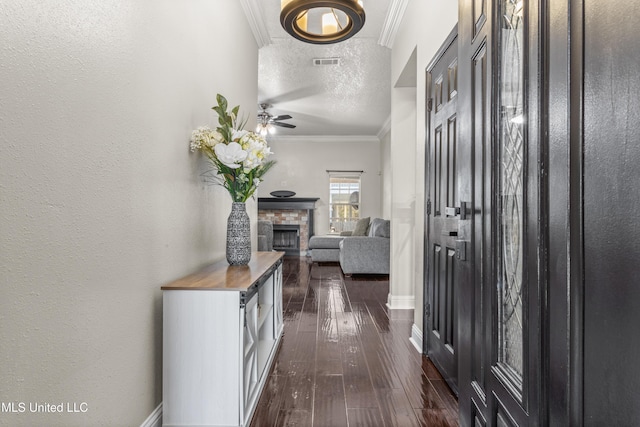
{"points": [[353, 98]]}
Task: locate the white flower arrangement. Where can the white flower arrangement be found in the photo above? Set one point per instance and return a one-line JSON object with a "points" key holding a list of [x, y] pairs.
{"points": [[238, 156]]}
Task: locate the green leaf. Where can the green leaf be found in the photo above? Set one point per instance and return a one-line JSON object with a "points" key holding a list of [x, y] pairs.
{"points": [[222, 102]]}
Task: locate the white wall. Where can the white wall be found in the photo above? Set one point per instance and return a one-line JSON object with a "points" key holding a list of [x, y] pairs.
{"points": [[101, 201], [425, 26], [385, 168], [403, 171], [302, 166]]}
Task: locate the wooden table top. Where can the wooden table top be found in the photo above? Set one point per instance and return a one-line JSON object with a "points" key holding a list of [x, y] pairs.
{"points": [[221, 276]]}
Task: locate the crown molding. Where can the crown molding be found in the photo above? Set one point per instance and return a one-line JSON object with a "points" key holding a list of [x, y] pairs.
{"points": [[323, 138], [386, 127], [255, 17], [392, 21]]}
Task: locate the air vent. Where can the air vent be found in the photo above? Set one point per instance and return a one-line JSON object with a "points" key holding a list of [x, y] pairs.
{"points": [[318, 62]]}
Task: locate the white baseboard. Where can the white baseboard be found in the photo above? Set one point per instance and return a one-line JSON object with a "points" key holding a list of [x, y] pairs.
{"points": [[402, 302], [416, 338], [155, 419]]}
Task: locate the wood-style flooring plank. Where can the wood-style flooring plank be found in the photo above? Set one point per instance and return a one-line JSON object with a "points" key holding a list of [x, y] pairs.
{"points": [[268, 407], [421, 393], [364, 417], [396, 409], [329, 408], [309, 315], [435, 418], [357, 379], [294, 418], [299, 388], [448, 399]]}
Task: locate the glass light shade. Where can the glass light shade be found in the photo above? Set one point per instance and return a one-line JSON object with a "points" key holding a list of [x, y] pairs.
{"points": [[329, 24], [302, 21]]}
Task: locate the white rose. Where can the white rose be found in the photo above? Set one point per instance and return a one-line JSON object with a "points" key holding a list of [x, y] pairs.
{"points": [[230, 155], [216, 138]]}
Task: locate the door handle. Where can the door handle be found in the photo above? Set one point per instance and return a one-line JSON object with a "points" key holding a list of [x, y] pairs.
{"points": [[450, 233], [457, 210]]}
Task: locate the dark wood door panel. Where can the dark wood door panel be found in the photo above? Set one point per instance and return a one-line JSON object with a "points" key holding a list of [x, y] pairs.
{"points": [[499, 286], [441, 222], [611, 204]]}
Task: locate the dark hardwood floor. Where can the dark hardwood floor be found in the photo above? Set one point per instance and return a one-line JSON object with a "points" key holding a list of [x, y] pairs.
{"points": [[346, 360]]}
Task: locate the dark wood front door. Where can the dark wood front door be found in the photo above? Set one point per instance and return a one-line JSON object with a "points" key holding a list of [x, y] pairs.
{"points": [[443, 212], [500, 281]]}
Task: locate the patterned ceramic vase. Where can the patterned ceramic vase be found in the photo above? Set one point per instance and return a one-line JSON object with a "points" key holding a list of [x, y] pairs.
{"points": [[238, 235]]}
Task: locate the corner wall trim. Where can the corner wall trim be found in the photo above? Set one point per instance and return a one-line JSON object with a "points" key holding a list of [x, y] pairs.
{"points": [[255, 17], [401, 302], [392, 22], [155, 419], [386, 127], [416, 338]]}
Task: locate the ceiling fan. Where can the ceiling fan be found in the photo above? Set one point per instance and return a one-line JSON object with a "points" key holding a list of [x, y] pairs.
{"points": [[267, 122]]}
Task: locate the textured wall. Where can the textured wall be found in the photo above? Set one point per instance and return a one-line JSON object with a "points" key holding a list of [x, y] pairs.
{"points": [[302, 167], [100, 200]]}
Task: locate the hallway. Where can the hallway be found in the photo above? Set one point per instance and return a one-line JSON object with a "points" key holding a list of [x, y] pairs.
{"points": [[345, 360]]}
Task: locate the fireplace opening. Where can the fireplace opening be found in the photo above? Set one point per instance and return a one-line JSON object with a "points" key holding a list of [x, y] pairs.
{"points": [[286, 237]]}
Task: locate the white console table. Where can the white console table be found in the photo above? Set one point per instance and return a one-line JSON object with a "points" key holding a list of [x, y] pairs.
{"points": [[221, 329]]}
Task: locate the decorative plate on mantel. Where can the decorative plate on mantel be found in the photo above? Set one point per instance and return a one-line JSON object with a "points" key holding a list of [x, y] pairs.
{"points": [[283, 193]]}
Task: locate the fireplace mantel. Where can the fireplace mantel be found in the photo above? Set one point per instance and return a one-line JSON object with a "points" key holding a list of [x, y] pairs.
{"points": [[302, 203]]}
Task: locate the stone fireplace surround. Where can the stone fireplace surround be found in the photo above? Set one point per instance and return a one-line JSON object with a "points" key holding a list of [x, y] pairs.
{"points": [[289, 211]]}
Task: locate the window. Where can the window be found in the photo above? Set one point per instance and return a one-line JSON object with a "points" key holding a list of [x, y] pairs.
{"points": [[344, 201]]}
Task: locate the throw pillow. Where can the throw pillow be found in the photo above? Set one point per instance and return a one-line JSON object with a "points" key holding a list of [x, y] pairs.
{"points": [[385, 229], [361, 227], [380, 228]]}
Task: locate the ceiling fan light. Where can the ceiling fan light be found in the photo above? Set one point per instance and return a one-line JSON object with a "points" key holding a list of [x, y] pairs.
{"points": [[272, 129]]}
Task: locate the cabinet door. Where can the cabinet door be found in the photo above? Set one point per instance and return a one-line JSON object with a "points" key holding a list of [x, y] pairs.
{"points": [[277, 302], [250, 365]]}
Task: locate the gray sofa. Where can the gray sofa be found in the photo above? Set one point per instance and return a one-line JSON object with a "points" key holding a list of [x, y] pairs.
{"points": [[362, 254]]}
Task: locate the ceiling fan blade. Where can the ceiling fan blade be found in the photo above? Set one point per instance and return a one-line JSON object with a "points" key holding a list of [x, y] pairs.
{"points": [[294, 95], [282, 117], [284, 125]]}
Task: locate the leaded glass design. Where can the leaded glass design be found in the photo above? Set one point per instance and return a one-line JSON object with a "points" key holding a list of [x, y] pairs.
{"points": [[510, 181]]}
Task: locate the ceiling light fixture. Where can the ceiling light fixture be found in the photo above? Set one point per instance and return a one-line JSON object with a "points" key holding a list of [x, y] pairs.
{"points": [[322, 21], [264, 127]]}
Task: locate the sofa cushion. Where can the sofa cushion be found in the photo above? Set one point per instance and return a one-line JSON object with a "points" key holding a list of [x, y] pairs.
{"points": [[380, 228], [325, 242], [361, 227]]}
